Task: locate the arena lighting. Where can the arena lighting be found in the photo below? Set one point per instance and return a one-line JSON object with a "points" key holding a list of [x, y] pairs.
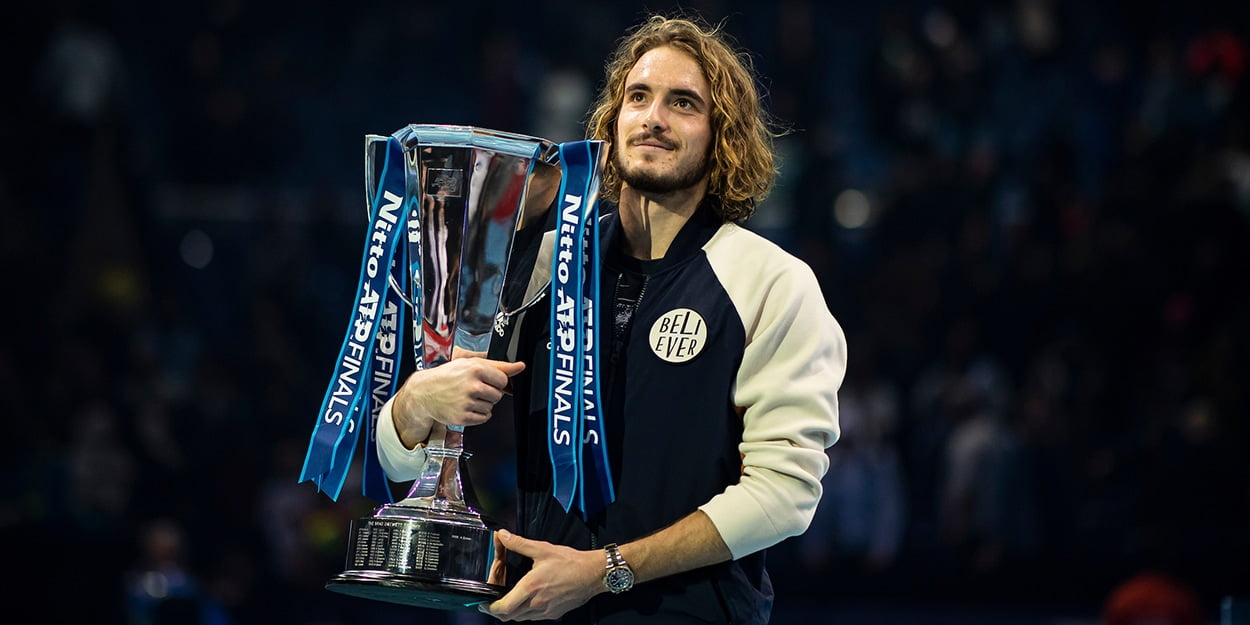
{"points": [[196, 249], [940, 28], [852, 209], [155, 584]]}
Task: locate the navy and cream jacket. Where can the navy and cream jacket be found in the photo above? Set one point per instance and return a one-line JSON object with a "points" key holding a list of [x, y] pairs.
{"points": [[720, 368]]}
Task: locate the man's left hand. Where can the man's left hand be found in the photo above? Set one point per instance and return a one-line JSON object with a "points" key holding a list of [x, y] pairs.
{"points": [[561, 580]]}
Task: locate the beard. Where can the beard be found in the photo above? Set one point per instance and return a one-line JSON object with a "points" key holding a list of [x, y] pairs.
{"points": [[684, 176]]}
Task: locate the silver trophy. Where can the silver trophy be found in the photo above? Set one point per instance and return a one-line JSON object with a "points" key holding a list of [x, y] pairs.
{"points": [[480, 199]]}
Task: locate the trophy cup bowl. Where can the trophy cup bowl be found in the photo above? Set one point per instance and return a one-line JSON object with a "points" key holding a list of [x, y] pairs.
{"points": [[472, 195]]}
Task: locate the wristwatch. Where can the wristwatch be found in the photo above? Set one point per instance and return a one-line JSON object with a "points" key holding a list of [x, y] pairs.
{"points": [[619, 577]]}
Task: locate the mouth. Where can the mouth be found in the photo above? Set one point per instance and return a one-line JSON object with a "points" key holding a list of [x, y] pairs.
{"points": [[654, 143]]}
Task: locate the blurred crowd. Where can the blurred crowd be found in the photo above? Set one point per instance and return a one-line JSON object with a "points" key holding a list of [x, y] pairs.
{"points": [[1032, 218]]}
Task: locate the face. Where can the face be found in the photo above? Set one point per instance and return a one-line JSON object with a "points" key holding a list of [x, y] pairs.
{"points": [[664, 131]]}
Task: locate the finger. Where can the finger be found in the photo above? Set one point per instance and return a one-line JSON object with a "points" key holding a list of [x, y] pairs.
{"points": [[504, 607], [519, 544], [497, 372], [475, 413], [487, 393]]}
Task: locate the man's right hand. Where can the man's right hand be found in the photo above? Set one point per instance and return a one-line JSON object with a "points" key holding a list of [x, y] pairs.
{"points": [[460, 392]]}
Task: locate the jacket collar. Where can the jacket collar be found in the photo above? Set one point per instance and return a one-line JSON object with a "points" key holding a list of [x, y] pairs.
{"points": [[694, 234]]}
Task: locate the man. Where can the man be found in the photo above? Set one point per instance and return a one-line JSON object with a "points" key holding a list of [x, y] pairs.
{"points": [[716, 448]]}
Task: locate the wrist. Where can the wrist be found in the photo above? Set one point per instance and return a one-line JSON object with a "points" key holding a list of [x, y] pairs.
{"points": [[413, 431], [618, 576]]}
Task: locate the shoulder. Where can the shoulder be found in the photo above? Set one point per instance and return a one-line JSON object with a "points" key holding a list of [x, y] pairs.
{"points": [[769, 287], [743, 257]]}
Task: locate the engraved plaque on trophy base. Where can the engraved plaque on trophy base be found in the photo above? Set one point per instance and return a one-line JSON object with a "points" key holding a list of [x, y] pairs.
{"points": [[421, 557]]}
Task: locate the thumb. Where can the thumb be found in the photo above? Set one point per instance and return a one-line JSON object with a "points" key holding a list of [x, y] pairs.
{"points": [[509, 369]]}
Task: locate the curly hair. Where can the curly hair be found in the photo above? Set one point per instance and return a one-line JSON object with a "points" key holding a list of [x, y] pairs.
{"points": [[742, 167]]}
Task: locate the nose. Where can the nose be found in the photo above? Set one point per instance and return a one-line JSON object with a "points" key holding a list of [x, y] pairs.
{"points": [[655, 120]]}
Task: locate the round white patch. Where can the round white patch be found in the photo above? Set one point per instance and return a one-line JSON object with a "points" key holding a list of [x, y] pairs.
{"points": [[678, 335]]}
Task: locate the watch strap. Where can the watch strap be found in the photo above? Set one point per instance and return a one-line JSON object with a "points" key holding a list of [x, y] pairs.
{"points": [[618, 576]]}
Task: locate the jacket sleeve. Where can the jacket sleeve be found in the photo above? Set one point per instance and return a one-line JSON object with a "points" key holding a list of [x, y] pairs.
{"points": [[786, 388], [398, 462]]}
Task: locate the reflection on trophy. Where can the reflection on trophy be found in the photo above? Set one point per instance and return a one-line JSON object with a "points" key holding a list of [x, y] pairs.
{"points": [[476, 199]]}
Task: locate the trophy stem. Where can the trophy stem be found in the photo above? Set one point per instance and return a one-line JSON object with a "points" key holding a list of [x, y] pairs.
{"points": [[449, 487], [440, 486]]}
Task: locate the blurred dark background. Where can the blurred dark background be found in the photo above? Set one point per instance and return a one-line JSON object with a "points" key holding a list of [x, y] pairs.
{"points": [[1031, 218]]}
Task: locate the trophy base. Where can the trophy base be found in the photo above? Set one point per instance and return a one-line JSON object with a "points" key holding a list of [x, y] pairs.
{"points": [[421, 556], [442, 595]]}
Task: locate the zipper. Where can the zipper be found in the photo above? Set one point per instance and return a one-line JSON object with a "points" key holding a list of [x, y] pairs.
{"points": [[642, 291], [593, 603], [623, 317]]}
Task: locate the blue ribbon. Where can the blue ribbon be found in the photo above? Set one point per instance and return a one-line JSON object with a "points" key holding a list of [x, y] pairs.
{"points": [[356, 384], [595, 490], [387, 358], [580, 472]]}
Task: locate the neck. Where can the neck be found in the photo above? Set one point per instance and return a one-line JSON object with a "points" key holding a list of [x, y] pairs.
{"points": [[650, 222]]}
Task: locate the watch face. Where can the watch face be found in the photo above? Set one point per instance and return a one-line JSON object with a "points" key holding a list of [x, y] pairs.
{"points": [[620, 578]]}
